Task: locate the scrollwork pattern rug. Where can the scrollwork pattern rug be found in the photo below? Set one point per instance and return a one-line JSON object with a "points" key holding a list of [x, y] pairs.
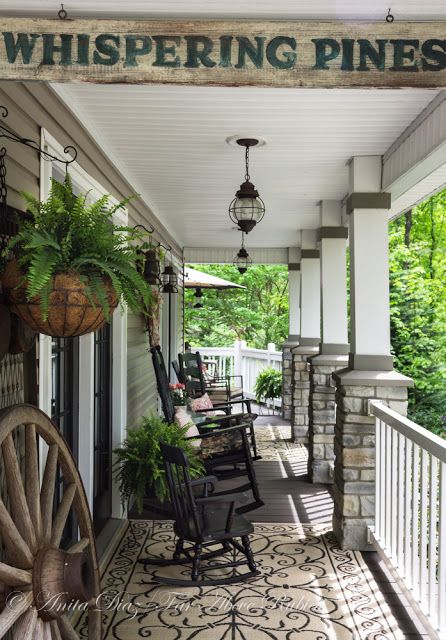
{"points": [[308, 589]]}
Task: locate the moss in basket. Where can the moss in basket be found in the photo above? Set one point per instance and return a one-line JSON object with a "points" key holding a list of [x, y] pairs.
{"points": [[139, 466], [67, 234]]}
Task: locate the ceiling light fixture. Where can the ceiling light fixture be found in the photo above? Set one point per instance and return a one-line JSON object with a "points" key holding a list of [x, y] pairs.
{"points": [[247, 209]]}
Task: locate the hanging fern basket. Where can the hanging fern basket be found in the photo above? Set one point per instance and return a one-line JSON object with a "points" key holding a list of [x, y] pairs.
{"points": [[70, 312]]}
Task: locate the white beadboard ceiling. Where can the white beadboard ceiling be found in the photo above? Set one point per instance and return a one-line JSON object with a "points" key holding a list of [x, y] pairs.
{"points": [[170, 142], [268, 9]]}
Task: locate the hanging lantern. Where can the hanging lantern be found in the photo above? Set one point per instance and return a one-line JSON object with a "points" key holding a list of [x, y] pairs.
{"points": [[242, 260], [169, 280], [198, 295], [152, 267], [247, 209]]}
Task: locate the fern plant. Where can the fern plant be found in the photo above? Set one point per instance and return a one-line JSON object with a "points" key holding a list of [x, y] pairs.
{"points": [[268, 384], [66, 234], [139, 463]]}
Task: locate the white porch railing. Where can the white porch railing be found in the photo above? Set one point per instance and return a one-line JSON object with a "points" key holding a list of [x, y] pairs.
{"points": [[410, 512], [242, 360]]}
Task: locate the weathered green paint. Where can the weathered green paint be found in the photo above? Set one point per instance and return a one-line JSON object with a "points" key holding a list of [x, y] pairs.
{"points": [[277, 53]]}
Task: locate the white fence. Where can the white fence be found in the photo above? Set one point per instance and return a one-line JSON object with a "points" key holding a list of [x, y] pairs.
{"points": [[410, 516], [242, 360]]}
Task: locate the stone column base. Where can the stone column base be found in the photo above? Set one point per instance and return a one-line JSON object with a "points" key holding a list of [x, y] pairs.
{"points": [[354, 477], [322, 416], [287, 378], [301, 392]]}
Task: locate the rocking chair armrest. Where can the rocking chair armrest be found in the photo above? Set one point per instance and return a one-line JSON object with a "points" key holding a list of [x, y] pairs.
{"points": [[237, 427], [230, 403], [238, 497], [208, 483]]}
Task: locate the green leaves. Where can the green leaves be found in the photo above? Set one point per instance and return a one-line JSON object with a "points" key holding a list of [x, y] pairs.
{"points": [[139, 465], [268, 384], [69, 234]]}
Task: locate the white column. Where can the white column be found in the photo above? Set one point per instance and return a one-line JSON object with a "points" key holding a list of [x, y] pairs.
{"points": [[333, 245], [367, 209], [294, 256], [310, 300]]}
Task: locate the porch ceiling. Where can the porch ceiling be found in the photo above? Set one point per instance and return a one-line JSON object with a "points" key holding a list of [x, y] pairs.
{"points": [[279, 9], [169, 141]]}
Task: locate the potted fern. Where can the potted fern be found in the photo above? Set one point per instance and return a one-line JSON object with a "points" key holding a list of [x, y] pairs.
{"points": [[69, 265], [139, 465], [268, 385]]}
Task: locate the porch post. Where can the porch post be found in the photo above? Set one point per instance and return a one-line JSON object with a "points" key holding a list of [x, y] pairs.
{"points": [[293, 331], [370, 373], [310, 331], [334, 346]]}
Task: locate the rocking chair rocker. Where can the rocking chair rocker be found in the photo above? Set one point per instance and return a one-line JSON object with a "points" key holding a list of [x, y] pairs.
{"points": [[207, 521]]}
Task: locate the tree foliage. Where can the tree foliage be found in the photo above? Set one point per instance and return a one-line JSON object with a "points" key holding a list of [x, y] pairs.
{"points": [[257, 314], [418, 308]]}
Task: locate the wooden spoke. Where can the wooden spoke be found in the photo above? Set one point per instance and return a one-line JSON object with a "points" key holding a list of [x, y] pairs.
{"points": [[16, 492], [38, 630], [80, 546], [94, 622], [47, 633], [14, 577], [66, 629], [25, 625], [47, 492], [12, 612], [62, 514], [55, 633], [18, 551], [32, 482]]}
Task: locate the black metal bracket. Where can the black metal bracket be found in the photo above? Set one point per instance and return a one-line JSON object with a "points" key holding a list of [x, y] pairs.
{"points": [[5, 132]]}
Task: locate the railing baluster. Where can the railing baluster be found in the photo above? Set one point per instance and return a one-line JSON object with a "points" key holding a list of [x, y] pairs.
{"points": [[388, 499], [442, 550], [415, 520], [394, 493], [423, 528], [408, 518], [400, 517], [378, 479], [433, 543]]}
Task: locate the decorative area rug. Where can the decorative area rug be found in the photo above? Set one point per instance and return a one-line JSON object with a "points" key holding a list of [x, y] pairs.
{"points": [[308, 589], [274, 443]]}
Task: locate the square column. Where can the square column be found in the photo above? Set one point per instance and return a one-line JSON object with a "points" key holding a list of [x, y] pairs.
{"points": [[369, 374], [293, 331], [310, 328], [334, 346]]}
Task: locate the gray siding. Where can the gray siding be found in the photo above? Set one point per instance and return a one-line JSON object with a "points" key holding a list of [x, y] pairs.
{"points": [[32, 106]]}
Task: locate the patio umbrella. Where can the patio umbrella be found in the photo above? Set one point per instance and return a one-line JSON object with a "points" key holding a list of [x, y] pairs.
{"points": [[194, 279]]}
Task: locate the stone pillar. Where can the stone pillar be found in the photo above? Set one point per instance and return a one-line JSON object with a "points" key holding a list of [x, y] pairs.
{"points": [[334, 346], [369, 374], [293, 331], [310, 319]]}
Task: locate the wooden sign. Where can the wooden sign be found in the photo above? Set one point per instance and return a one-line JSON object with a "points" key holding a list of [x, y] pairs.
{"points": [[272, 54]]}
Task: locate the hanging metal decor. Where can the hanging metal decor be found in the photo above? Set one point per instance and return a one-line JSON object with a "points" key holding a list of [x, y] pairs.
{"points": [[242, 260], [169, 280], [247, 209], [198, 295]]}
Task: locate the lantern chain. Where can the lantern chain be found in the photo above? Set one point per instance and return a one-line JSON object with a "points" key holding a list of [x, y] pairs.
{"points": [[389, 17], [247, 176]]}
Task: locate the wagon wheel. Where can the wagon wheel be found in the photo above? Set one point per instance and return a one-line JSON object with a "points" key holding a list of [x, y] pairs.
{"points": [[37, 576]]}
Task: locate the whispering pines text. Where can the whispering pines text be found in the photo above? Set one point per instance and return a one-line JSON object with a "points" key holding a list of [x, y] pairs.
{"points": [[226, 51]]}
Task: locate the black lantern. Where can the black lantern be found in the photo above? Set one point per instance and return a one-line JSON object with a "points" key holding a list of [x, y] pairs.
{"points": [[169, 280], [242, 260], [198, 295], [152, 267], [247, 209]]}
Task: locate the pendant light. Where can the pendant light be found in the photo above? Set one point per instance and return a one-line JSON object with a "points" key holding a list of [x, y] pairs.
{"points": [[242, 260], [247, 209]]}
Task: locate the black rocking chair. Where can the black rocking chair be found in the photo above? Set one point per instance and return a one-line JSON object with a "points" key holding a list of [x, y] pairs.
{"points": [[233, 463], [206, 521], [192, 371], [200, 418]]}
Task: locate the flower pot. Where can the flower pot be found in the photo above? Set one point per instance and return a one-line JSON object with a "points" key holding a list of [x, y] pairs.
{"points": [[69, 313]]}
